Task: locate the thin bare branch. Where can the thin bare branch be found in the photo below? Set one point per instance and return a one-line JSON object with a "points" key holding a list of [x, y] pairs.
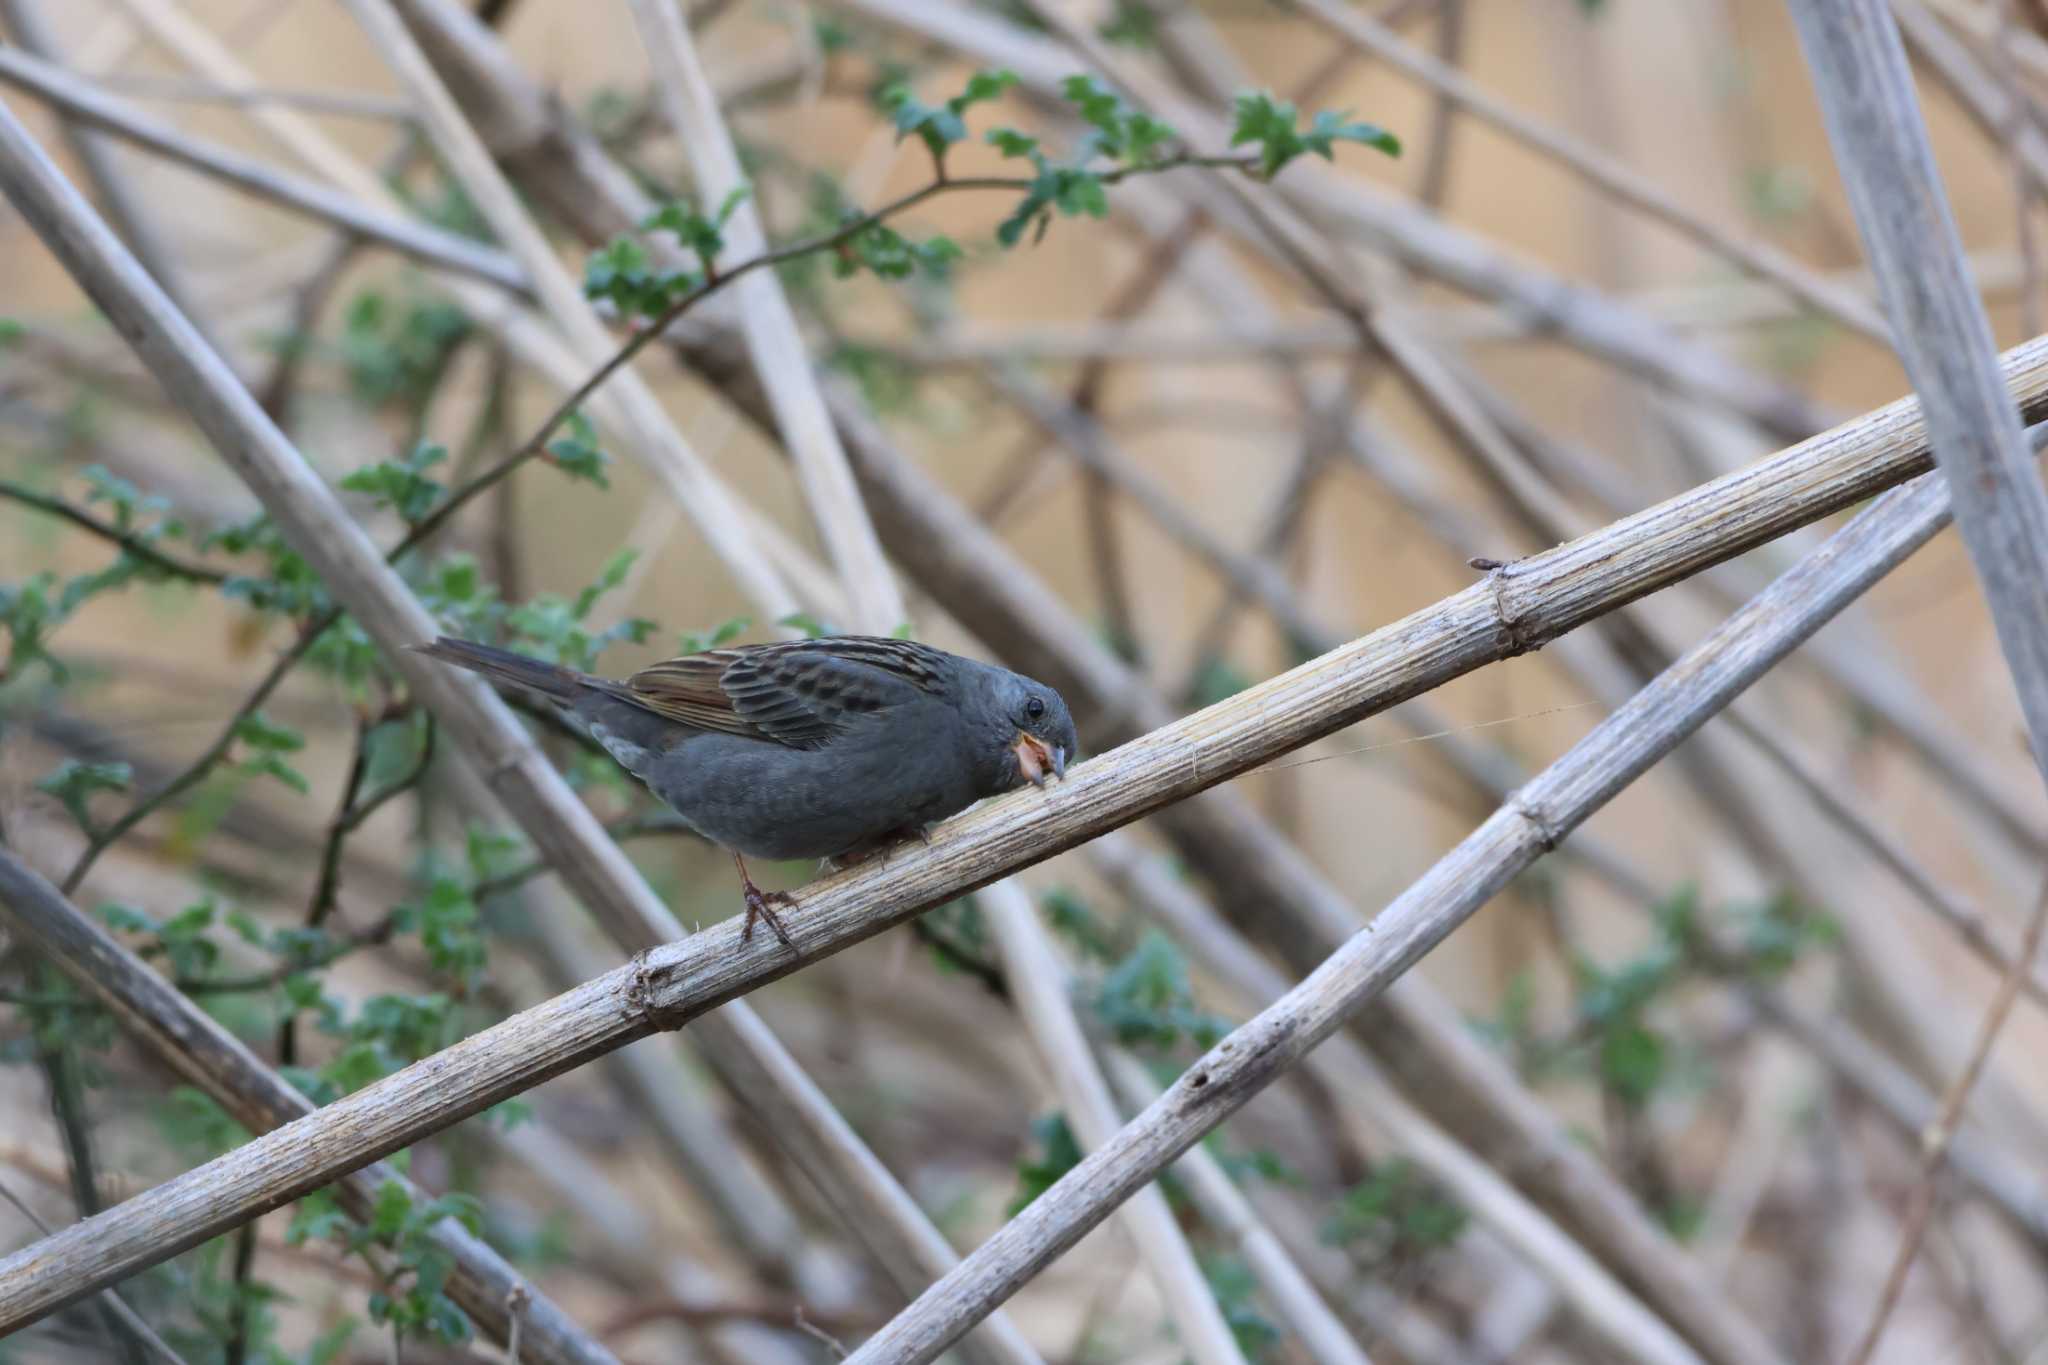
{"points": [[1935, 1141], [1039, 985]]}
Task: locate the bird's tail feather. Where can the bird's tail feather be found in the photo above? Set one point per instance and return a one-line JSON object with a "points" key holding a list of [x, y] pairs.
{"points": [[504, 665]]}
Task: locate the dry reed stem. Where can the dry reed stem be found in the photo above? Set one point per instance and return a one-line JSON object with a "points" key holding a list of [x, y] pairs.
{"points": [[1224, 1207], [1869, 103], [1040, 987], [777, 348]]}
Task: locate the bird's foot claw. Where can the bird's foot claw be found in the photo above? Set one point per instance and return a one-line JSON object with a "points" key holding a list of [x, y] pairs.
{"points": [[761, 905]]}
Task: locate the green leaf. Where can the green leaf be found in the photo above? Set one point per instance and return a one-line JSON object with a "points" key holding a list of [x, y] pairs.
{"points": [[811, 626], [611, 576], [402, 485], [1121, 132], [1329, 128], [1148, 998], [73, 784], [395, 353], [983, 86], [1633, 1063], [1012, 143], [127, 919], [701, 234], [1396, 1213], [892, 256], [1271, 124], [1058, 1154], [696, 642], [576, 452]]}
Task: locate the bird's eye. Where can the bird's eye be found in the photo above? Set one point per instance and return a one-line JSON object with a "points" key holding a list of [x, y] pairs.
{"points": [[1035, 707]]}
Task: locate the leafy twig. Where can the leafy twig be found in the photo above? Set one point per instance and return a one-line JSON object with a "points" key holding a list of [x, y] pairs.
{"points": [[133, 544], [660, 323]]}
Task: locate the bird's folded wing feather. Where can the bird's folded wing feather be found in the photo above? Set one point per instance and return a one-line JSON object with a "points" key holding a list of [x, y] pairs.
{"points": [[796, 693]]}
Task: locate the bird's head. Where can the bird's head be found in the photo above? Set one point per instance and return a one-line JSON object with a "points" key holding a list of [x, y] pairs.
{"points": [[1023, 730]]}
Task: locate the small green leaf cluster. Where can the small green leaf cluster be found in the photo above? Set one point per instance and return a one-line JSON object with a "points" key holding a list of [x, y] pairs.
{"points": [[1075, 186], [399, 1244], [261, 746], [577, 453], [1055, 1152], [624, 272], [1237, 1296], [402, 484], [74, 783], [1147, 999], [1273, 126], [1616, 1036], [725, 632], [1396, 1215], [395, 352], [183, 941], [286, 587], [941, 126]]}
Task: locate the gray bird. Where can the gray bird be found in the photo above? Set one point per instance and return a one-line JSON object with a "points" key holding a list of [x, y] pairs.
{"points": [[826, 748]]}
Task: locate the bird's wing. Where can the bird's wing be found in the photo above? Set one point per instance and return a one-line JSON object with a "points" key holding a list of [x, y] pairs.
{"points": [[796, 693]]}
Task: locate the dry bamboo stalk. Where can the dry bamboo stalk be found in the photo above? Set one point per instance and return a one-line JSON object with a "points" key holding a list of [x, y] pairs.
{"points": [[192, 1044], [776, 346], [1224, 1207], [1543, 813], [1868, 101], [80, 101], [1039, 986], [1370, 1101]]}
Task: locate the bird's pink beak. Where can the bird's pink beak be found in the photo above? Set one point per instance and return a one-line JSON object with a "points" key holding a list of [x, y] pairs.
{"points": [[1036, 759]]}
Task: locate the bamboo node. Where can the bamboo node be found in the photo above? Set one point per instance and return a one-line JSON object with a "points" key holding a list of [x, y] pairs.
{"points": [[1516, 635], [1548, 835]]}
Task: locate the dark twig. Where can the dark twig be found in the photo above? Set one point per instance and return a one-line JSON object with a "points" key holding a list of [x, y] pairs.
{"points": [[127, 540], [1935, 1142], [200, 767]]}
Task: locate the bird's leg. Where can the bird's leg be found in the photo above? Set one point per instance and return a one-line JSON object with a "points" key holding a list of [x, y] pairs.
{"points": [[761, 905]]}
